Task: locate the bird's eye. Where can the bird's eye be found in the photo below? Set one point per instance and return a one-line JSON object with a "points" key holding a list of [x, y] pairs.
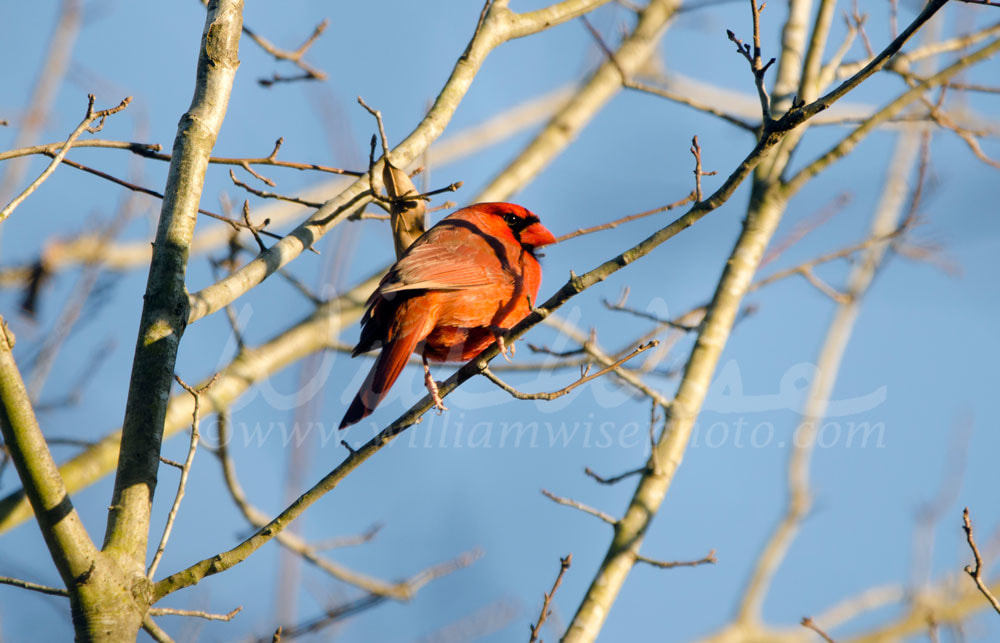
{"points": [[511, 219]]}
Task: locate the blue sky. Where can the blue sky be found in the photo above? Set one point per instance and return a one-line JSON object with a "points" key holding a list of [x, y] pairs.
{"points": [[921, 360]]}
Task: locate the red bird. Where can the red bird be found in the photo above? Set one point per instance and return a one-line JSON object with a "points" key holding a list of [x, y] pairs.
{"points": [[452, 294]]}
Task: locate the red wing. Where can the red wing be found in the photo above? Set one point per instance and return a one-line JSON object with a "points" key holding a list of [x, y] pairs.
{"points": [[447, 258]]}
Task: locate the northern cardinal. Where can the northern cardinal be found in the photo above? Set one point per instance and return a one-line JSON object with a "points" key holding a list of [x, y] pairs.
{"points": [[450, 295]]}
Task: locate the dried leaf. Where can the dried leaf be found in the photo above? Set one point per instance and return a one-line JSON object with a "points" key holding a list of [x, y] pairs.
{"points": [[408, 217]]}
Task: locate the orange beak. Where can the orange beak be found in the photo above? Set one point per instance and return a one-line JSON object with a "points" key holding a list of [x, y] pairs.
{"points": [[537, 235]]}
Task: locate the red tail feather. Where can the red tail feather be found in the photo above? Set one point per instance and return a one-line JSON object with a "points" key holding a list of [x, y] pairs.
{"points": [[380, 379]]}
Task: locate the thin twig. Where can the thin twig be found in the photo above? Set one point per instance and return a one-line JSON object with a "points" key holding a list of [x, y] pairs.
{"points": [[173, 463], [579, 505], [381, 126], [630, 83], [170, 611], [672, 323], [254, 230], [348, 541], [155, 631], [806, 267], [564, 564], [86, 125], [808, 622], [185, 468], [271, 160], [402, 590], [804, 227], [329, 616], [613, 479], [757, 66], [968, 136], [823, 287], [859, 24], [563, 391], [709, 559], [35, 587], [295, 57], [626, 219], [976, 572], [159, 195], [696, 151], [154, 151], [257, 175], [53, 148]]}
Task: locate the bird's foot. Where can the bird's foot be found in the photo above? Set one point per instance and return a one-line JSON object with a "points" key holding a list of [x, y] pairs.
{"points": [[432, 388], [505, 350]]}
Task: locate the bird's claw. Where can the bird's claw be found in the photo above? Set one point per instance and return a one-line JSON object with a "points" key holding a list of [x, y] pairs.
{"points": [[502, 345], [500, 333], [432, 388]]}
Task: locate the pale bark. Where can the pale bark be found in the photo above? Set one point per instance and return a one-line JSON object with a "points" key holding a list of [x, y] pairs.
{"points": [[165, 309]]}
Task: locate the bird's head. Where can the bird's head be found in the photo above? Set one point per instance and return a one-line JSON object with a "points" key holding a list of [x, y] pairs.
{"points": [[523, 223]]}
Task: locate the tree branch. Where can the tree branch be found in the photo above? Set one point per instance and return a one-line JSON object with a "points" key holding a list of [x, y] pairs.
{"points": [[164, 312], [976, 572], [569, 502], [185, 469], [65, 536], [86, 125], [170, 611], [564, 564], [566, 389]]}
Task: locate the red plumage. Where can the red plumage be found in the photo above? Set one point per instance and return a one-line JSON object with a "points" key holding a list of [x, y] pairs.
{"points": [[463, 281]]}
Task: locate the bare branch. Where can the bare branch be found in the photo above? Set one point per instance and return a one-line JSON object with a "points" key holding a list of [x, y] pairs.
{"points": [[185, 469], [86, 125], [254, 230], [66, 538], [626, 219], [401, 590], [486, 372], [35, 587], [676, 324], [170, 611], [144, 190], [50, 76], [155, 631], [808, 623], [696, 152], [564, 564], [51, 149], [823, 287], [568, 502], [165, 302], [757, 65], [348, 541], [709, 559], [295, 57], [613, 479], [272, 195], [975, 572], [677, 97], [806, 226]]}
